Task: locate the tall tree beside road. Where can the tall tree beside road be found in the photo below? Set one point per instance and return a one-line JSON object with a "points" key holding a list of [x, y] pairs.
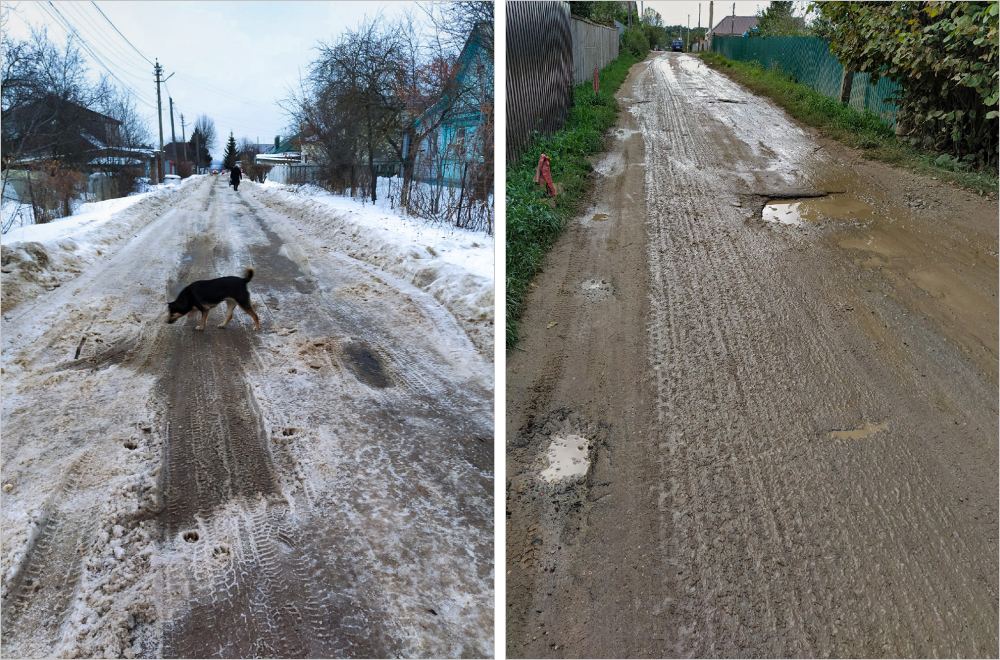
{"points": [[206, 128], [392, 89], [364, 66], [777, 21], [231, 154], [197, 146], [943, 55]]}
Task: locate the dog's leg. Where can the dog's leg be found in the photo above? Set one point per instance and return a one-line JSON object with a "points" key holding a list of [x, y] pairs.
{"points": [[229, 316], [204, 317], [249, 310]]}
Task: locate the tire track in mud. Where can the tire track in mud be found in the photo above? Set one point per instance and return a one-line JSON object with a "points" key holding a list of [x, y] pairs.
{"points": [[775, 535], [38, 601]]}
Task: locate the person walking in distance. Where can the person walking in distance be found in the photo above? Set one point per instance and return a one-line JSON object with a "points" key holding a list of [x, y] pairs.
{"points": [[234, 177]]}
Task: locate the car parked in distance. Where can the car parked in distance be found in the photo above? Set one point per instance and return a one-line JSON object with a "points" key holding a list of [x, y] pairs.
{"points": [[678, 45]]}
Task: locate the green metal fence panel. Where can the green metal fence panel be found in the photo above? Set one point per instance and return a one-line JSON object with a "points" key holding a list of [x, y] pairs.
{"points": [[809, 61], [874, 98]]}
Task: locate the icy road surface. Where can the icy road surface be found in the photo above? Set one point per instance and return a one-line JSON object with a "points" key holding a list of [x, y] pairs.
{"points": [[321, 488]]}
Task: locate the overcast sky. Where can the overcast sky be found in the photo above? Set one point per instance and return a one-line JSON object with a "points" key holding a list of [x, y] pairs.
{"points": [[232, 59]]}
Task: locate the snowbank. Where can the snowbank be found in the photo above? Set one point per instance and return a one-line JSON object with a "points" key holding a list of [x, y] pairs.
{"points": [[454, 265], [35, 258]]}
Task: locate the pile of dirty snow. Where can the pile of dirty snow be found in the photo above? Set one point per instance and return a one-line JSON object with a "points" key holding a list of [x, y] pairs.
{"points": [[36, 258], [454, 265]]}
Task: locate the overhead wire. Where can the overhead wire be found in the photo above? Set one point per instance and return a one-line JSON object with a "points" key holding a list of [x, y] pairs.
{"points": [[62, 21], [111, 49], [119, 32], [101, 44]]}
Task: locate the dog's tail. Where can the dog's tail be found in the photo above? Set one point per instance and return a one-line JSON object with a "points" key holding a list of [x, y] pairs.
{"points": [[248, 273]]}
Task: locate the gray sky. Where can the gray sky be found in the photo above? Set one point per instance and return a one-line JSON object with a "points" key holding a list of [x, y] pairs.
{"points": [[232, 59]]}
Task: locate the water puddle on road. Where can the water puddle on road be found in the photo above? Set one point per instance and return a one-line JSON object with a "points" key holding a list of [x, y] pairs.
{"points": [[859, 433], [569, 458], [366, 366], [600, 217], [816, 209]]}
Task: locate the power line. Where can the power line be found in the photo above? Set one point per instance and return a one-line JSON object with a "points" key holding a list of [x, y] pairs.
{"points": [[119, 32], [107, 40], [99, 42], [57, 16]]}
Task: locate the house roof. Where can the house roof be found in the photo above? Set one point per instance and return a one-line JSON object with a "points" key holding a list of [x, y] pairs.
{"points": [[734, 25], [482, 34]]}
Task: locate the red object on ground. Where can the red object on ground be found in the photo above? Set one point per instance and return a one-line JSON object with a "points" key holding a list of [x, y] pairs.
{"points": [[544, 175], [597, 88]]}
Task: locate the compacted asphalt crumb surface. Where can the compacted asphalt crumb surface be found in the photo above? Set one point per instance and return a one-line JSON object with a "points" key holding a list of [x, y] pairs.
{"points": [[780, 363]]}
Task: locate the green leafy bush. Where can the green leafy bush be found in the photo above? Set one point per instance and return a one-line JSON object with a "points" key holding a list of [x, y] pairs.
{"points": [[636, 42], [943, 54]]}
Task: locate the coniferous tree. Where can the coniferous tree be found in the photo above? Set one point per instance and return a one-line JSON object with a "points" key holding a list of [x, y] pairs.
{"points": [[230, 157]]}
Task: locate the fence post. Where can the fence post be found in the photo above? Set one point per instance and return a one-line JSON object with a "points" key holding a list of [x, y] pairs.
{"points": [[846, 82]]}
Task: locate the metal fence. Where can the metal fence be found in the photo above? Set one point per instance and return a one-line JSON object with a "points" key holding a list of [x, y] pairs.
{"points": [[295, 174], [594, 45], [539, 71], [808, 59]]}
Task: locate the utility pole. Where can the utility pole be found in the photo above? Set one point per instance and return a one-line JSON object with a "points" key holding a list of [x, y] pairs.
{"points": [[711, 25], [732, 24], [689, 32], [184, 139], [197, 151], [173, 136], [158, 71]]}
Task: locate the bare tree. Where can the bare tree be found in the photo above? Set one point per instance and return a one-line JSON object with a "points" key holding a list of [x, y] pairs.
{"points": [[46, 101], [454, 21], [206, 129]]}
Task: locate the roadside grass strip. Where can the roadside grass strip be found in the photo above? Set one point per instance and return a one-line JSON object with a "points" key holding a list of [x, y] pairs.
{"points": [[860, 130], [533, 222]]}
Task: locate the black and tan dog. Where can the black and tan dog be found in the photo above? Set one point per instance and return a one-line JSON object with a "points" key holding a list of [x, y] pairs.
{"points": [[203, 295]]}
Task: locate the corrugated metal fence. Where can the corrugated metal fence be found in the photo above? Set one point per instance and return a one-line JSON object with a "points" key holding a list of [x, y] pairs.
{"points": [[539, 70], [594, 45], [809, 60]]}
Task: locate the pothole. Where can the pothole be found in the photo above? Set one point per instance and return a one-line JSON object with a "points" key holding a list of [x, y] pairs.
{"points": [[366, 366], [596, 290], [599, 217], [131, 444], [816, 209], [858, 433], [191, 536], [568, 457]]}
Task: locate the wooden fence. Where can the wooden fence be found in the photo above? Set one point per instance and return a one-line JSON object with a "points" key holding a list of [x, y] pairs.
{"points": [[539, 71], [594, 45]]}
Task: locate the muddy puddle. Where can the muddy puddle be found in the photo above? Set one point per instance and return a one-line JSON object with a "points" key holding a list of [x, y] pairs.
{"points": [[568, 457], [599, 217], [858, 433], [796, 212], [366, 366]]}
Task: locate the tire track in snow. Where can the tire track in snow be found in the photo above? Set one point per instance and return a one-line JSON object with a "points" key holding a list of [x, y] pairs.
{"points": [[38, 601]]}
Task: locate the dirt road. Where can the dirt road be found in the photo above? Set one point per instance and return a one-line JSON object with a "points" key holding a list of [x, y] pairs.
{"points": [[321, 488], [788, 399]]}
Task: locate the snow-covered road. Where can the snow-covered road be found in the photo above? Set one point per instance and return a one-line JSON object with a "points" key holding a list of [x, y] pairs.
{"points": [[321, 488]]}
